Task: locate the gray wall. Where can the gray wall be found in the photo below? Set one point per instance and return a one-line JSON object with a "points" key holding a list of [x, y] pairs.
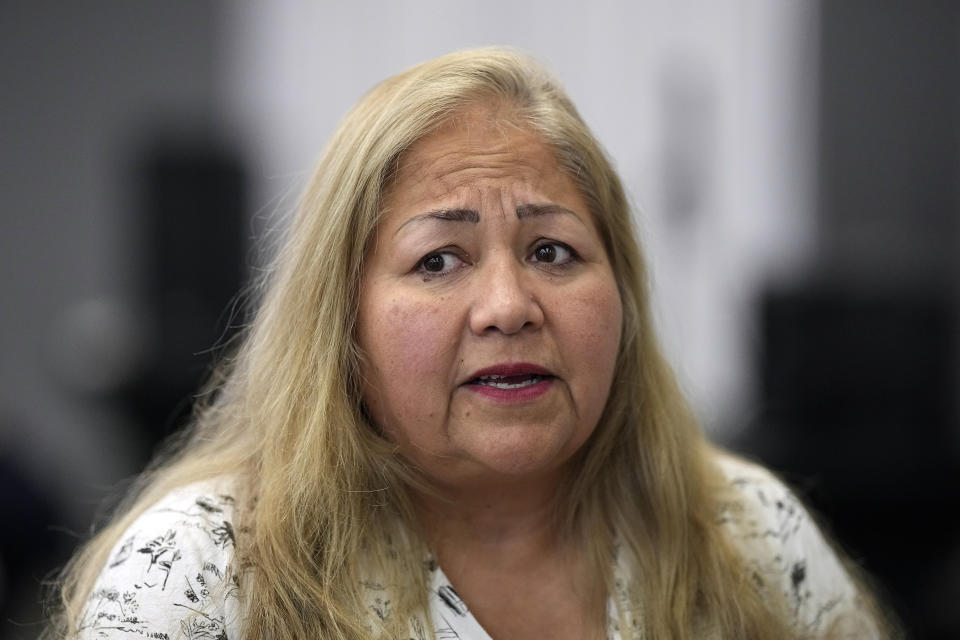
{"points": [[82, 85]]}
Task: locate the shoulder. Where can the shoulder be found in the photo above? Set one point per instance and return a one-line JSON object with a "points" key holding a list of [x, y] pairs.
{"points": [[786, 551], [171, 572]]}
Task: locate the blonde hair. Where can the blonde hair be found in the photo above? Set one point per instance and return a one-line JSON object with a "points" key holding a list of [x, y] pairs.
{"points": [[323, 489]]}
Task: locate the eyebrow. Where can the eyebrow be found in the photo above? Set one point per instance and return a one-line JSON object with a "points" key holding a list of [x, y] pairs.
{"points": [[534, 210], [473, 217]]}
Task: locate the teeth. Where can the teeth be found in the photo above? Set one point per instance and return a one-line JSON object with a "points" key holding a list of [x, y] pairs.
{"points": [[496, 381]]}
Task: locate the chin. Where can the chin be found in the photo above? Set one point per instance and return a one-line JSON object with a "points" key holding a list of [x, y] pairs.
{"points": [[524, 456]]}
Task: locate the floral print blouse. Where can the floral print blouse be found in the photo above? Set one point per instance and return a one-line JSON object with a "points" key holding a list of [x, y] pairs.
{"points": [[171, 575]]}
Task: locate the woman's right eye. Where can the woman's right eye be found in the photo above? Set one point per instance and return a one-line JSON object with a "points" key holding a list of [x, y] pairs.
{"points": [[439, 263]]}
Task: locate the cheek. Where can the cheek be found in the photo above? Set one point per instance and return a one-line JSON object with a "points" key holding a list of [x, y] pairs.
{"points": [[408, 347], [592, 331], [600, 320]]}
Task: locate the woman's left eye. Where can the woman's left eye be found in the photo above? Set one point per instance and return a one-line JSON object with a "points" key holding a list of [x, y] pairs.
{"points": [[554, 253]]}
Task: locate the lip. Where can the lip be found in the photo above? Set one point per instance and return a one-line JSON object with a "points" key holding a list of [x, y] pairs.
{"points": [[512, 395], [510, 369]]}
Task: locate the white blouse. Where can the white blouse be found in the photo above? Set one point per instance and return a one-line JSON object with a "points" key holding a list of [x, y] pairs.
{"points": [[170, 575]]}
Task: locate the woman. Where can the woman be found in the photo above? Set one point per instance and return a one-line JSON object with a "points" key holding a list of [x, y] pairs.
{"points": [[450, 417]]}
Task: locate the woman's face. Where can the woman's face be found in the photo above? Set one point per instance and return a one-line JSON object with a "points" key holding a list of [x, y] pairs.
{"points": [[489, 315]]}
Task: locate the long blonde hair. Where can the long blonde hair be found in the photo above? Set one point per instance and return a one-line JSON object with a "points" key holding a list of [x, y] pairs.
{"points": [[322, 489]]}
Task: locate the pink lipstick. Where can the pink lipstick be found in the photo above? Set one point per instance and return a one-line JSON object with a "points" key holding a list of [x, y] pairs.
{"points": [[511, 382]]}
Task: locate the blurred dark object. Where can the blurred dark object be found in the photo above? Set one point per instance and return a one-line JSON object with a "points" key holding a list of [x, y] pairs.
{"points": [[193, 196], [83, 87], [859, 415], [28, 544], [860, 363]]}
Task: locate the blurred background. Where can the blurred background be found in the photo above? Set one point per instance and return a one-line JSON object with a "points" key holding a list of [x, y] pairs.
{"points": [[795, 168]]}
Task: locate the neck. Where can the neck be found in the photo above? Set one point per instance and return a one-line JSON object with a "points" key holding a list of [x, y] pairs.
{"points": [[503, 519]]}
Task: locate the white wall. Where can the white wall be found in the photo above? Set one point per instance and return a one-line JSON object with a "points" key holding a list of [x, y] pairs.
{"points": [[723, 89]]}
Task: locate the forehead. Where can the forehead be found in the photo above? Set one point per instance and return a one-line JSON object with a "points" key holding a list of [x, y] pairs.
{"points": [[479, 146]]}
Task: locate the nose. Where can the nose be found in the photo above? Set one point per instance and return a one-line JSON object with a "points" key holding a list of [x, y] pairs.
{"points": [[504, 299]]}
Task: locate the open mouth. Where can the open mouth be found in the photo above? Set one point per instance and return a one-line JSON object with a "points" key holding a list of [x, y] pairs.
{"points": [[509, 382]]}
